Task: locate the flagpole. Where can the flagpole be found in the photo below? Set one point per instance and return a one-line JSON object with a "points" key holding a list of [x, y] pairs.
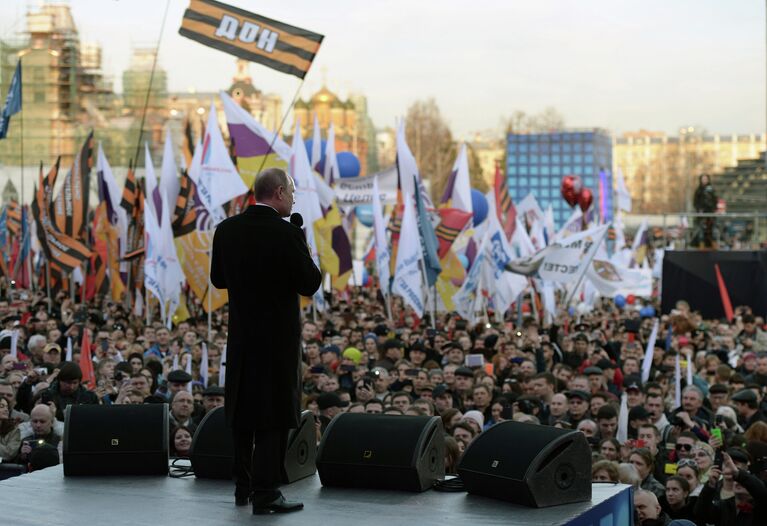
{"points": [[282, 123], [21, 197], [48, 283]]}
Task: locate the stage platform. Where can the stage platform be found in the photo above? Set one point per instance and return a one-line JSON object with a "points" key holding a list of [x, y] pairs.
{"points": [[47, 498]]}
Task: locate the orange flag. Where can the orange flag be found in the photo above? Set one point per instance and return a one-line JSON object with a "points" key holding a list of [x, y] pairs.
{"points": [[86, 362]]}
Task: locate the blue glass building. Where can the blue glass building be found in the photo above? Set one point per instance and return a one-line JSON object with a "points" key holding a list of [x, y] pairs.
{"points": [[536, 162]]}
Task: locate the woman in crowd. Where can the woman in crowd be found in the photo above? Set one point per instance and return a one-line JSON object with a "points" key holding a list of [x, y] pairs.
{"points": [[450, 418], [180, 442], [687, 468], [452, 455], [604, 471], [704, 456], [610, 449], [676, 502], [10, 437], [642, 459]]}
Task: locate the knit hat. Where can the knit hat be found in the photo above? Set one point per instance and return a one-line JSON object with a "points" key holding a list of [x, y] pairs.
{"points": [[476, 416], [353, 354]]}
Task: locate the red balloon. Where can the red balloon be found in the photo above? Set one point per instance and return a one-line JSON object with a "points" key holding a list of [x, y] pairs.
{"points": [[570, 188], [630, 299], [585, 198]]}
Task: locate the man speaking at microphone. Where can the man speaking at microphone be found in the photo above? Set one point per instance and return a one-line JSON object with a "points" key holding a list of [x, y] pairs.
{"points": [[264, 263]]}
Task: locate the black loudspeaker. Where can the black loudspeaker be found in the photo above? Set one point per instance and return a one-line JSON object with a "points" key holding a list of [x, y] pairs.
{"points": [[212, 453], [116, 439], [528, 464], [382, 451]]}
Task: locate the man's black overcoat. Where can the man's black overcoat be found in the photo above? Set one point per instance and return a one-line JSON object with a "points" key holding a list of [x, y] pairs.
{"points": [[264, 263]]}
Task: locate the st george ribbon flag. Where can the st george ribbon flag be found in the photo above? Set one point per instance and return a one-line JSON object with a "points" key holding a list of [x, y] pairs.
{"points": [[12, 102], [253, 37]]}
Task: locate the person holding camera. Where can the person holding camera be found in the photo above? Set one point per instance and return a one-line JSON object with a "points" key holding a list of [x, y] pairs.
{"points": [[42, 420], [67, 389], [743, 505]]}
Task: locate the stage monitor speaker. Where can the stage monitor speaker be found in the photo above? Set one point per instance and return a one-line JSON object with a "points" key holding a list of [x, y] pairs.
{"points": [[116, 440], [382, 451], [531, 465], [212, 453]]}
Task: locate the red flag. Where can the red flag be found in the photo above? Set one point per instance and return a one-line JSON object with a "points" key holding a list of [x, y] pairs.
{"points": [[452, 223], [504, 206], [726, 304], [86, 362]]}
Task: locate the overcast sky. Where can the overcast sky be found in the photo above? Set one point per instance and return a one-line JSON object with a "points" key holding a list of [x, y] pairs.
{"points": [[621, 65]]}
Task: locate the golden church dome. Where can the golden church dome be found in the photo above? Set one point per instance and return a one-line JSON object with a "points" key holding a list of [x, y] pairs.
{"points": [[324, 96]]}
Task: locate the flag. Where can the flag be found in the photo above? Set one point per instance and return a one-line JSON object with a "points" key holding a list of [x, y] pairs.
{"points": [[408, 281], [5, 238], [429, 244], [215, 175], [169, 182], [330, 170], [252, 37], [15, 344], [458, 189], [12, 101], [315, 158], [466, 298], [452, 222], [605, 197], [677, 383], [530, 210], [381, 245], [187, 145], [307, 202], [204, 365], [255, 147], [611, 279], [408, 170], [69, 211], [111, 225], [188, 369], [86, 361], [163, 273], [573, 225], [639, 245], [333, 247], [649, 353], [723, 294], [153, 195], [504, 206], [222, 368], [503, 287], [68, 357], [14, 218], [185, 211], [21, 271], [622, 192], [623, 420]]}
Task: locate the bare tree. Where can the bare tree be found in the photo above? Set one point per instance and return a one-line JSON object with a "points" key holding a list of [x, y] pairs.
{"points": [[550, 119], [431, 141]]}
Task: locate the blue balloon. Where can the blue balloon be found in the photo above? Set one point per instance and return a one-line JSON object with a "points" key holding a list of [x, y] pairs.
{"points": [[648, 311], [348, 164], [365, 277], [620, 301], [364, 214], [309, 143], [571, 311], [464, 261], [479, 206]]}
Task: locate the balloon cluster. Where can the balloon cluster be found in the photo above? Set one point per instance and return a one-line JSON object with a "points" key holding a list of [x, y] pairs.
{"points": [[621, 300], [574, 193]]}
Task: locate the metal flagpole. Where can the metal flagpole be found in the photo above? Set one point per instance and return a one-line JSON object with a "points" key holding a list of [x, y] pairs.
{"points": [[48, 283], [210, 284]]}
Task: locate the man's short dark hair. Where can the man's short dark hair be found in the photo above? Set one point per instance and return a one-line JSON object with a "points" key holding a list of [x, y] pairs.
{"points": [[466, 426], [374, 401], [550, 378], [606, 412], [267, 183]]}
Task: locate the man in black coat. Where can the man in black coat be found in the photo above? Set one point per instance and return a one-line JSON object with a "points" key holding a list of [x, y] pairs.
{"points": [[264, 263]]}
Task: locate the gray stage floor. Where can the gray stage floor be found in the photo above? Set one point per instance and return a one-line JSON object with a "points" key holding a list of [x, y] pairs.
{"points": [[47, 498]]}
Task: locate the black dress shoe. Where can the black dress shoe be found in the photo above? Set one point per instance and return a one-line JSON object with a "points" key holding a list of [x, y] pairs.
{"points": [[278, 505], [242, 498]]}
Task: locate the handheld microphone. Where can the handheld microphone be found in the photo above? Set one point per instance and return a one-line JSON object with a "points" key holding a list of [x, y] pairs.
{"points": [[296, 219]]}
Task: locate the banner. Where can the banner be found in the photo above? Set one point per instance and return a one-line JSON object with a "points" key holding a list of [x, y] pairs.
{"points": [[611, 279], [253, 37], [355, 191]]}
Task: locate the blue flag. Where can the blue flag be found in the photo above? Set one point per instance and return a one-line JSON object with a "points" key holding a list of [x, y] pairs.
{"points": [[429, 243], [5, 239], [12, 102]]}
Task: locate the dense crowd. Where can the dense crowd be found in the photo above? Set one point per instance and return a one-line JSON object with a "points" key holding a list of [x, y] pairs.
{"points": [[705, 461]]}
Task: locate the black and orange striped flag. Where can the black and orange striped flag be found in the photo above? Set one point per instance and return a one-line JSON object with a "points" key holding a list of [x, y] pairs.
{"points": [[13, 222], [69, 212], [251, 37], [185, 213]]}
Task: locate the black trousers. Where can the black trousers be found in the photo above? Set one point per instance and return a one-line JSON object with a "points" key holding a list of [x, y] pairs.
{"points": [[259, 462]]}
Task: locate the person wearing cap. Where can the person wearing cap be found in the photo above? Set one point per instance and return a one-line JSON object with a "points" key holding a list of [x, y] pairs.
{"points": [[350, 360], [178, 379], [213, 396], [443, 398], [66, 389], [330, 405], [464, 382], [751, 337], [747, 404], [597, 380], [634, 394], [578, 406], [52, 354]]}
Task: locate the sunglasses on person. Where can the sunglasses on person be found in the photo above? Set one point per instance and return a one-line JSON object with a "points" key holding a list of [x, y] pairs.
{"points": [[685, 447]]}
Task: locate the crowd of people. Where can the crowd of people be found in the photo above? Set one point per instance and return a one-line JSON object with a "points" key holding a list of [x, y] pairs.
{"points": [[704, 461]]}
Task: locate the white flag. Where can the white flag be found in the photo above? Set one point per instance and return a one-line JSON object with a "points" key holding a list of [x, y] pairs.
{"points": [[623, 420], [189, 371], [677, 383], [466, 298], [152, 196], [115, 196], [549, 225], [408, 168], [15, 343], [622, 192], [204, 365], [169, 181], [461, 194], [689, 368], [611, 279], [222, 368], [408, 279], [530, 209], [216, 176], [649, 352], [307, 202], [504, 287], [68, 357], [381, 245], [316, 145], [330, 170], [571, 226]]}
